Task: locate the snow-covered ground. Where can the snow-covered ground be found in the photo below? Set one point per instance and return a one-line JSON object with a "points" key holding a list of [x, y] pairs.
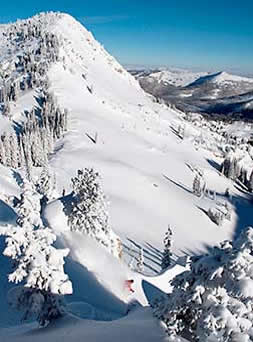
{"points": [[142, 163], [147, 173]]}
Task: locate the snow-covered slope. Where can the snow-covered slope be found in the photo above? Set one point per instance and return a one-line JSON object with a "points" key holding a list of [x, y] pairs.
{"points": [[135, 147], [142, 163], [147, 172]]}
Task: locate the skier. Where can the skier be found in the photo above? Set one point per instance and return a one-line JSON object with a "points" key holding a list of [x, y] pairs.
{"points": [[128, 284]]}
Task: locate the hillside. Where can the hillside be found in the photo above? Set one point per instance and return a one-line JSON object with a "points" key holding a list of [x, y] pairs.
{"points": [[147, 172], [131, 132]]}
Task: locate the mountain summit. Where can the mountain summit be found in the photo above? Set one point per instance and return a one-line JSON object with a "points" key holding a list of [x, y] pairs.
{"points": [[221, 77]]}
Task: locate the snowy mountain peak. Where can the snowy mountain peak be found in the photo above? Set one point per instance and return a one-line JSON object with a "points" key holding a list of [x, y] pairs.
{"points": [[76, 43], [221, 77], [173, 76]]}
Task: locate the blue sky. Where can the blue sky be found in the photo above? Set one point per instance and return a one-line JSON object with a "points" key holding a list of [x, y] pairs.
{"points": [[201, 34]]}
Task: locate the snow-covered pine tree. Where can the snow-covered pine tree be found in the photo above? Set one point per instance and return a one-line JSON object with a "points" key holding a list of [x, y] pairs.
{"points": [[140, 261], [21, 153], [39, 266], [225, 166], [2, 153], [89, 213], [28, 207], [131, 263], [6, 109], [198, 185], [227, 210], [46, 183], [65, 121], [27, 156], [216, 215], [14, 150], [7, 149], [167, 242], [212, 302], [181, 130], [2, 94], [230, 166]]}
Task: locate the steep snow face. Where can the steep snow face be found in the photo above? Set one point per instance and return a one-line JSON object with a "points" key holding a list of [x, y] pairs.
{"points": [[116, 128], [176, 77], [92, 59], [222, 78]]}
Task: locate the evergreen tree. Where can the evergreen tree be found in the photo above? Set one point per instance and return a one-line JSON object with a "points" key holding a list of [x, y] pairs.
{"points": [[140, 261], [28, 207], [2, 153], [228, 210], [6, 109], [131, 264], [28, 165], [14, 151], [89, 210], [216, 215], [181, 131], [21, 154], [7, 149], [166, 259], [198, 185], [39, 266], [212, 301], [46, 183], [230, 166]]}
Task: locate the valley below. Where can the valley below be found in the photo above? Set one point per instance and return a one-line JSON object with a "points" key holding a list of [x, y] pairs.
{"points": [[228, 96]]}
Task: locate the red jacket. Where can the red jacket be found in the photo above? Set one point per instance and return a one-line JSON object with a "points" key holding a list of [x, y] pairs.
{"points": [[128, 284]]}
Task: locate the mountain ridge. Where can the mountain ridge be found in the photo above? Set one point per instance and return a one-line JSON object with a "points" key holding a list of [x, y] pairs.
{"points": [[202, 94], [221, 77]]}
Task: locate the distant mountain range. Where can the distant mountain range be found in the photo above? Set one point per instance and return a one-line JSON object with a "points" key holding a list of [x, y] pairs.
{"points": [[173, 76], [217, 93]]}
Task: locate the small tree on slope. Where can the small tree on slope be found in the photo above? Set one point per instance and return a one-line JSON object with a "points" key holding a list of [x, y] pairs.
{"points": [[213, 301], [166, 260], [28, 207], [140, 261], [39, 266], [198, 185], [89, 211], [46, 184]]}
